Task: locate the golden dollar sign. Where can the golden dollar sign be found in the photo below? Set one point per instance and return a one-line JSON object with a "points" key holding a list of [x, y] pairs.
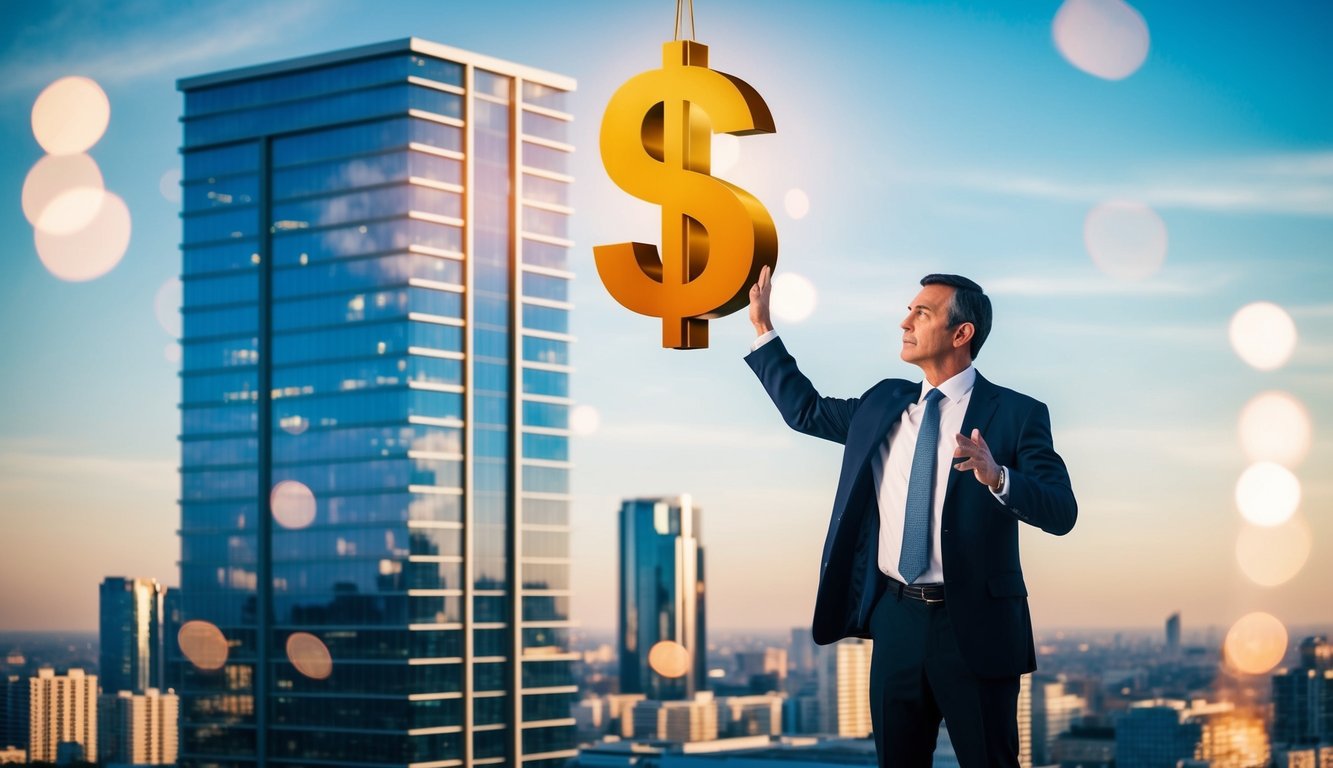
{"points": [[656, 141]]}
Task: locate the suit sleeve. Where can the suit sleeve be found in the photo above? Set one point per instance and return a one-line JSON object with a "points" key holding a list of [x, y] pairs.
{"points": [[1040, 493], [800, 404]]}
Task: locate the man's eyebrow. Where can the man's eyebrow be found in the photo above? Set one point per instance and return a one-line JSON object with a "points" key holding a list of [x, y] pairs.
{"points": [[926, 307]]}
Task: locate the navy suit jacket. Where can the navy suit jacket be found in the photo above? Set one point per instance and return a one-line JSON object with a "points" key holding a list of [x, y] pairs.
{"points": [[983, 579]]}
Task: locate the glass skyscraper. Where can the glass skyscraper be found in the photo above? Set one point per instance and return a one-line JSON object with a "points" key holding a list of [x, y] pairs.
{"points": [[375, 476], [130, 614], [661, 595]]}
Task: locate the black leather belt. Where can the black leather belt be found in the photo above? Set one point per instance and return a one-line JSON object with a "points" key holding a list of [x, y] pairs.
{"points": [[926, 593]]}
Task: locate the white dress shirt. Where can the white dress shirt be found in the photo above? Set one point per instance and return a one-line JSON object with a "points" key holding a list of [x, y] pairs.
{"points": [[892, 468]]}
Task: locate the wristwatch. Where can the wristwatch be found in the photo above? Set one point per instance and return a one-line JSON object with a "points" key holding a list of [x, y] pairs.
{"points": [[1004, 478]]}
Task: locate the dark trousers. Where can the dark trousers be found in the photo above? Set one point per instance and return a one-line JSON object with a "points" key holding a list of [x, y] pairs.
{"points": [[917, 676]]}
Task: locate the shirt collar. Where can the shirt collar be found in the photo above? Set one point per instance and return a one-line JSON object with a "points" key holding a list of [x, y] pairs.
{"points": [[954, 388]]}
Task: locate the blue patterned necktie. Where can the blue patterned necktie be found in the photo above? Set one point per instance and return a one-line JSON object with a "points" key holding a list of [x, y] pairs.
{"points": [[914, 557]]}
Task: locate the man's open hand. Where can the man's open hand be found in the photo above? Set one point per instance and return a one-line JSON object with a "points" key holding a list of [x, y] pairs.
{"points": [[978, 459], [760, 293]]}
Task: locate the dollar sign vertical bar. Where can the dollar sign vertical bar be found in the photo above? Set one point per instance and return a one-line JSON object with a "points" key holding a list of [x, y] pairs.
{"points": [[687, 144]]}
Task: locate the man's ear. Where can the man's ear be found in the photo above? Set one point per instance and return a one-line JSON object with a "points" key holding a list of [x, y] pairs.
{"points": [[962, 335]]}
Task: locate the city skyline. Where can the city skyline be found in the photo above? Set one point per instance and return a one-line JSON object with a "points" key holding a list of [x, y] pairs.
{"points": [[982, 153]]}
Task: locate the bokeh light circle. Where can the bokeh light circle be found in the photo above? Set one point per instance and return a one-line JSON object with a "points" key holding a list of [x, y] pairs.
{"points": [[293, 504], [1274, 426], [170, 185], [1125, 239], [797, 203], [1267, 494], [794, 297], [726, 152], [167, 306], [1263, 335], [584, 420], [669, 658], [1105, 38], [203, 644], [93, 250], [172, 352], [54, 177], [1255, 644], [1269, 556], [70, 115], [309, 655]]}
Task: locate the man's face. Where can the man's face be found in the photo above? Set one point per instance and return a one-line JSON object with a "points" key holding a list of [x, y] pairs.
{"points": [[926, 333]]}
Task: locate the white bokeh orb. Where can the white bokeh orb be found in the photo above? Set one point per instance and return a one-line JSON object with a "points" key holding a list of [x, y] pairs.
{"points": [[1263, 335], [1105, 38]]}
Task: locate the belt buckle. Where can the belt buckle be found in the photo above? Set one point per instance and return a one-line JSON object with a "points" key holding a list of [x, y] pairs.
{"points": [[928, 601]]}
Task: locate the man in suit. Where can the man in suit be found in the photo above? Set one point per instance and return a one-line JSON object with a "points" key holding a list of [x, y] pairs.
{"points": [[920, 557]]}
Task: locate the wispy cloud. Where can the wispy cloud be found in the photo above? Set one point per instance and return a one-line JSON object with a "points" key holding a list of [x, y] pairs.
{"points": [[29, 471], [1100, 285], [1297, 184], [146, 40]]}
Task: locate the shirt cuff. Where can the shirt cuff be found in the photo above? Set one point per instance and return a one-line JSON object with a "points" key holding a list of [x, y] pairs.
{"points": [[1002, 495], [763, 339]]}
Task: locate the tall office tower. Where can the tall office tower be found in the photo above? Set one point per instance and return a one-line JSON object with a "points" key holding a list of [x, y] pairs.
{"points": [[661, 594], [375, 477], [1173, 633], [802, 653], [1054, 711], [1228, 738], [1316, 653], [1303, 706], [844, 687], [62, 718], [1155, 734], [13, 711], [137, 728], [130, 624], [1024, 717]]}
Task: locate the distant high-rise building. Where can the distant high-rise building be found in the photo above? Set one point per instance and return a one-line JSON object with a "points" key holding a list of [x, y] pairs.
{"points": [[14, 692], [1054, 710], [759, 715], [764, 671], [62, 716], [802, 654], [679, 721], [375, 412], [1085, 747], [1173, 633], [844, 687], [1230, 738], [13, 755], [1316, 653], [137, 728], [131, 634], [1155, 734], [1024, 717], [661, 594], [1160, 732], [1303, 697]]}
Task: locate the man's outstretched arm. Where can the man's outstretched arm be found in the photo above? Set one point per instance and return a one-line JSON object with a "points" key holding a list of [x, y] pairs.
{"points": [[796, 398]]}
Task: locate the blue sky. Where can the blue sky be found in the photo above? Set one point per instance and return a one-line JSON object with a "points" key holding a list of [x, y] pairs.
{"points": [[927, 136]]}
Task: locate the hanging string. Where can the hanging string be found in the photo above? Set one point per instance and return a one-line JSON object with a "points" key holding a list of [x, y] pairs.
{"points": [[675, 32]]}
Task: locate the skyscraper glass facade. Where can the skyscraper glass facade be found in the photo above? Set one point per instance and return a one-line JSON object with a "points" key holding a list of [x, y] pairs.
{"points": [[661, 595], [375, 476], [130, 615]]}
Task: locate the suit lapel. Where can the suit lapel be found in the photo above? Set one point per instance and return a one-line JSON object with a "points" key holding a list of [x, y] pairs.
{"points": [[980, 409], [891, 412]]}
